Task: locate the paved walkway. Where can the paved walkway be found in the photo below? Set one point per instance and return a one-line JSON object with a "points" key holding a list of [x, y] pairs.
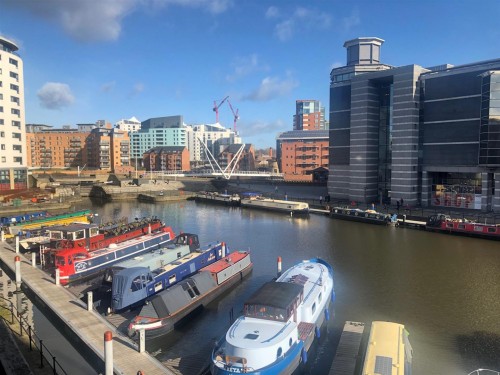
{"points": [[89, 326]]}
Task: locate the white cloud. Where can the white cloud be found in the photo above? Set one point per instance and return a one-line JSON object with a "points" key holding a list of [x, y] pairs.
{"points": [[300, 20], [243, 66], [212, 6], [54, 95], [101, 20], [270, 88], [261, 127], [272, 12], [137, 89]]}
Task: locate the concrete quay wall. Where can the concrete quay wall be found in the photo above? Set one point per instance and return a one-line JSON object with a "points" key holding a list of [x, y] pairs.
{"points": [[84, 329]]}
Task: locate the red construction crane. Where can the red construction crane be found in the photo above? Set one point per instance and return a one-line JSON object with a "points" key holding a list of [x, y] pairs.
{"points": [[235, 114], [216, 108]]}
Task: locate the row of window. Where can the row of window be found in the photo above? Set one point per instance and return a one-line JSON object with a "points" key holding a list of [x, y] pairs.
{"points": [[16, 159]]}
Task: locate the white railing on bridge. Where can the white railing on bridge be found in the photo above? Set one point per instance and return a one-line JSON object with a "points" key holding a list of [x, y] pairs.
{"points": [[209, 173]]}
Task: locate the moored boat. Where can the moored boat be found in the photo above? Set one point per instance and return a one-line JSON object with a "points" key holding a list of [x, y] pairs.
{"points": [[83, 216], [445, 224], [79, 263], [132, 285], [214, 197], [363, 216], [167, 308], [22, 218], [280, 323], [291, 207]]}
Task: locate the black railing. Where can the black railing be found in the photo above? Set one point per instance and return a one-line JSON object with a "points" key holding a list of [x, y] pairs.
{"points": [[20, 327]]}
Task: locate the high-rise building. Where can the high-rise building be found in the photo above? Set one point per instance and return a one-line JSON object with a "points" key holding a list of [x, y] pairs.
{"points": [[309, 115], [131, 125], [13, 162], [422, 136]]}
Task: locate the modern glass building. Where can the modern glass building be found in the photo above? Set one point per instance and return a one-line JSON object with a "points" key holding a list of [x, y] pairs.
{"points": [[428, 136]]}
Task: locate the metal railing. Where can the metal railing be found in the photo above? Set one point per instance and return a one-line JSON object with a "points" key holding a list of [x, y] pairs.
{"points": [[20, 327]]}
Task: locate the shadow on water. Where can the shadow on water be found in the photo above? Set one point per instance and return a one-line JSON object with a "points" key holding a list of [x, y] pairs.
{"points": [[481, 349]]}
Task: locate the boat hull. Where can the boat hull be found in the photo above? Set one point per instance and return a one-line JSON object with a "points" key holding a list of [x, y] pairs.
{"points": [[97, 264], [167, 324], [361, 217], [214, 198], [290, 207]]}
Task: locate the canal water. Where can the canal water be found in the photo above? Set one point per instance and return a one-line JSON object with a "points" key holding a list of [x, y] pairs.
{"points": [[444, 289]]}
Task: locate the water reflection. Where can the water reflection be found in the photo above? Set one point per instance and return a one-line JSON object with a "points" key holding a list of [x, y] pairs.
{"points": [[443, 288]]}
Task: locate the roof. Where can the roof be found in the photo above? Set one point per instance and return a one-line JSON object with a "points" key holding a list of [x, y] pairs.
{"points": [[276, 294], [165, 149], [302, 134], [71, 227]]}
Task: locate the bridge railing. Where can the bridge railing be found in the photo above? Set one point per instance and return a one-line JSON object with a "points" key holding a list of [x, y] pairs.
{"points": [[208, 173]]}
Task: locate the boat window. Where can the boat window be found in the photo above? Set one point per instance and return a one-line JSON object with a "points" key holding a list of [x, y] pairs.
{"points": [[320, 297], [94, 231], [449, 225], [290, 342], [172, 279], [178, 255], [461, 226], [60, 261], [492, 230], [79, 234], [137, 284], [280, 352], [266, 312], [79, 256], [251, 336], [313, 307], [56, 235]]}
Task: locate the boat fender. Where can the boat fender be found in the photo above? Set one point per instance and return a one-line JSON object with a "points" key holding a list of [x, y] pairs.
{"points": [[333, 296], [378, 216], [318, 332], [327, 315], [356, 214], [303, 355], [366, 215], [336, 211]]}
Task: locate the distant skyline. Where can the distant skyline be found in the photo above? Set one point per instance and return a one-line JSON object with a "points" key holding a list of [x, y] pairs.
{"points": [[87, 60]]}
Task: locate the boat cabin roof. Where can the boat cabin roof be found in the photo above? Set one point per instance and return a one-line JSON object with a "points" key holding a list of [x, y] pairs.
{"points": [[71, 227], [276, 294]]}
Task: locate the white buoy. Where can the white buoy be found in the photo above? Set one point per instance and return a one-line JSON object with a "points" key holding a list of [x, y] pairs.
{"points": [[279, 266]]}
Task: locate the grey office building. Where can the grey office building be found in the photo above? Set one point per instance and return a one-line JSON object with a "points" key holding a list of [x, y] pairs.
{"points": [[423, 136]]}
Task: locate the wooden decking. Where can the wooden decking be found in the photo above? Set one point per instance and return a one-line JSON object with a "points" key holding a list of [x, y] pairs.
{"points": [[344, 362], [88, 326]]}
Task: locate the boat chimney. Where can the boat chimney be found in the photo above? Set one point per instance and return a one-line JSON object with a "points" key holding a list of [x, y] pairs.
{"points": [[279, 266]]}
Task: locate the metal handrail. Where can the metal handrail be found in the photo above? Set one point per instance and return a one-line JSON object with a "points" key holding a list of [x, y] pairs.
{"points": [[34, 340]]}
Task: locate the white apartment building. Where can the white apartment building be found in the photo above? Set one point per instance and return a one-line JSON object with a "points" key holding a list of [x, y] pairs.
{"points": [[13, 159], [131, 125], [212, 135]]}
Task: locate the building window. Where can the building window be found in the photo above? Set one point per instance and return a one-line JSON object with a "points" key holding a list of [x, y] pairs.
{"points": [[2, 135], [4, 159], [14, 87], [1, 121], [2, 147], [1, 109], [14, 99], [17, 124], [14, 75], [16, 135], [16, 112], [18, 159], [13, 62], [17, 148]]}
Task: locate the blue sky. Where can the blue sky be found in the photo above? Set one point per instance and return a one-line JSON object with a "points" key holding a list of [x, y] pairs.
{"points": [[86, 60]]}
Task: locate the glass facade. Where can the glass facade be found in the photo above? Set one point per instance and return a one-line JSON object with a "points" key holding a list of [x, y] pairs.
{"points": [[489, 138], [385, 140]]}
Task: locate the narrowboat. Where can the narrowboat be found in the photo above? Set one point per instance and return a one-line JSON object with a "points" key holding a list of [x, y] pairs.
{"points": [[80, 264], [22, 218], [290, 207], [161, 314], [132, 285], [218, 198], [83, 216], [280, 322], [445, 224], [363, 216]]}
